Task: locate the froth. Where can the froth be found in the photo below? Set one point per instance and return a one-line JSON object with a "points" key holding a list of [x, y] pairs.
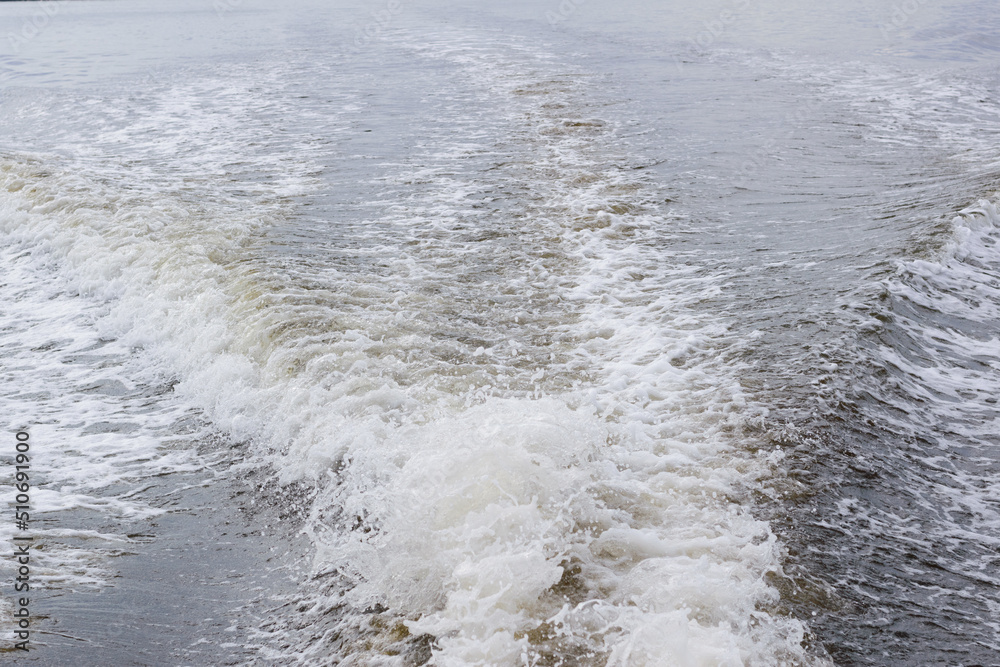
{"points": [[563, 483]]}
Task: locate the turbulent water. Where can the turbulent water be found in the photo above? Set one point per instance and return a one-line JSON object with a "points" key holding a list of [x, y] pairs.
{"points": [[536, 334]]}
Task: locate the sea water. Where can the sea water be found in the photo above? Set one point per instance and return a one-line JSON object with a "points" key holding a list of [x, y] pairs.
{"points": [[529, 334]]}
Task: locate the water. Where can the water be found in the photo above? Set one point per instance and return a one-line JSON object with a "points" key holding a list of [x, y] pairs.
{"points": [[527, 334]]}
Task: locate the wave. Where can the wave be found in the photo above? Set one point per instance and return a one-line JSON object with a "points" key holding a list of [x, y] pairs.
{"points": [[524, 442]]}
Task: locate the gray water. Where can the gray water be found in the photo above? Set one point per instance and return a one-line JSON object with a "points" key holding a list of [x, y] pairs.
{"points": [[579, 333]]}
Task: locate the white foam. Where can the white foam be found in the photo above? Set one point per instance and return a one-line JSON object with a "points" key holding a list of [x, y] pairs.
{"points": [[543, 461], [94, 435]]}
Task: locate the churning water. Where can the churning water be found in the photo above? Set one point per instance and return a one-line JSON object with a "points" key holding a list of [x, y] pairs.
{"points": [[535, 334]]}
